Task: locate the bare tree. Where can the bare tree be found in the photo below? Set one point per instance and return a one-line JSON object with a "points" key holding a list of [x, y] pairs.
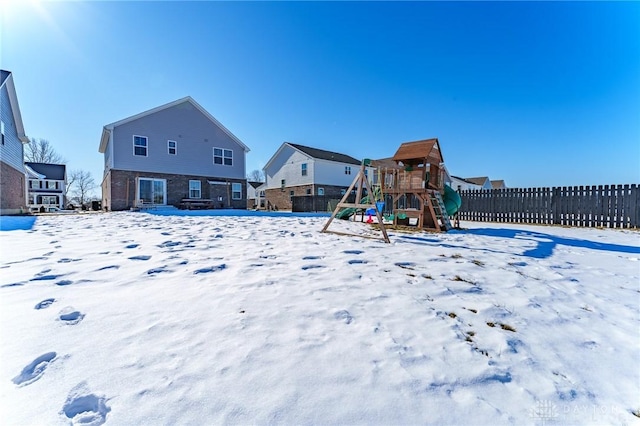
{"points": [[255, 176], [41, 151], [81, 185]]}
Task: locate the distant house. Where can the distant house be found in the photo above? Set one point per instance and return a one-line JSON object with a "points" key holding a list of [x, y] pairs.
{"points": [[461, 184], [46, 186], [498, 184], [13, 195], [483, 182], [171, 153], [255, 195], [301, 170]]}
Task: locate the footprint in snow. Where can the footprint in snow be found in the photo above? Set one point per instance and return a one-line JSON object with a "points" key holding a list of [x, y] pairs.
{"points": [[18, 284], [45, 276], [343, 316], [357, 261], [405, 265], [169, 244], [105, 268], [353, 252], [34, 370], [131, 246], [311, 258], [44, 304], [83, 407], [304, 268], [70, 316], [141, 257], [210, 269], [159, 270]]}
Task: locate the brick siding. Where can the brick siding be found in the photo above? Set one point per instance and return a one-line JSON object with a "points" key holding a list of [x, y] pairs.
{"points": [[119, 189], [12, 190]]}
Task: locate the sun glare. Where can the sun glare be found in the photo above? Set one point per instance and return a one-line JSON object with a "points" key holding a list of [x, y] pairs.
{"points": [[24, 20]]}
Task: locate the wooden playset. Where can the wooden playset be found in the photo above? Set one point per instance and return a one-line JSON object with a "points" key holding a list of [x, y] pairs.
{"points": [[407, 189]]}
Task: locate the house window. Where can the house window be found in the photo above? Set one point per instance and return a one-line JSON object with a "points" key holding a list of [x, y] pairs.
{"points": [[223, 156], [343, 191], [304, 169], [282, 184], [195, 187], [347, 170], [49, 199], [291, 193], [236, 191], [308, 191], [140, 145], [320, 191], [52, 184], [2, 130], [173, 147]]}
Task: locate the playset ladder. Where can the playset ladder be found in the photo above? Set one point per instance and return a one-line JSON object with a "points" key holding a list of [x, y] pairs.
{"points": [[439, 209]]}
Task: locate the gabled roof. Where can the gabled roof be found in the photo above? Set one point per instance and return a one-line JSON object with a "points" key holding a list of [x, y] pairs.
{"points": [[478, 180], [465, 180], [109, 127], [32, 174], [50, 171], [497, 184], [254, 184], [321, 154], [426, 149], [3, 76], [316, 153], [6, 79]]}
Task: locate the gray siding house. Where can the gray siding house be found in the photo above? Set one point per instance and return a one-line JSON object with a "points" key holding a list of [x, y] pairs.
{"points": [[13, 195], [172, 153]]}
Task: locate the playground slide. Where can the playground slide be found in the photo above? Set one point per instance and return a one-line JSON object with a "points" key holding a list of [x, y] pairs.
{"points": [[347, 213], [452, 200]]}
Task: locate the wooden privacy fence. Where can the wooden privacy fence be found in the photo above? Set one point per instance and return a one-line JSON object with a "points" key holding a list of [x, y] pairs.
{"points": [[612, 206], [316, 203]]}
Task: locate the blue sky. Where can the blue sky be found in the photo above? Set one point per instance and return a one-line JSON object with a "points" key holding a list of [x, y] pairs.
{"points": [[537, 94]]}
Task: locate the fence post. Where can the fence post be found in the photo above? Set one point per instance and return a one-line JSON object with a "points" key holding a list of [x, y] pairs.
{"points": [[634, 201]]}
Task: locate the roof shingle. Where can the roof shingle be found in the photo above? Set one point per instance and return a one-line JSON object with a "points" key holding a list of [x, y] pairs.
{"points": [[321, 154]]}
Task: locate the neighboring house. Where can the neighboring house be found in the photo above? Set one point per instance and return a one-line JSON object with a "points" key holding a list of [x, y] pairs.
{"points": [[13, 194], [483, 182], [301, 170], [46, 187], [170, 153], [255, 195], [498, 184], [460, 184]]}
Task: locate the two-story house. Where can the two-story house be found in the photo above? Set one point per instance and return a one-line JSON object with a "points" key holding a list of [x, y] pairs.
{"points": [[170, 153], [301, 170], [13, 196], [46, 186]]}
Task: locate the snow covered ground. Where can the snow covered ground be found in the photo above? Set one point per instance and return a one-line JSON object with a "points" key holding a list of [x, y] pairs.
{"points": [[136, 318]]}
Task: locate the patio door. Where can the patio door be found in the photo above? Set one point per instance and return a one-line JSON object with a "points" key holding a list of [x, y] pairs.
{"points": [[152, 191]]}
